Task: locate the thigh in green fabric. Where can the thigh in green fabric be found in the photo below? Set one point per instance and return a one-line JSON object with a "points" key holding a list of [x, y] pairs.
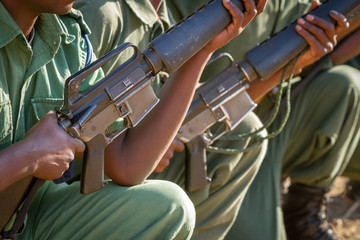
{"points": [[323, 127], [153, 210], [260, 215], [217, 204], [323, 116]]}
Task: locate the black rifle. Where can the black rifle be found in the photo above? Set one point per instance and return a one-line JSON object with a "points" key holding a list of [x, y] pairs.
{"points": [[223, 99], [123, 93], [126, 92]]}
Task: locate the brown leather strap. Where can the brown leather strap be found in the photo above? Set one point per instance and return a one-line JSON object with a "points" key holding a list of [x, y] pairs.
{"points": [[11, 199], [35, 184]]}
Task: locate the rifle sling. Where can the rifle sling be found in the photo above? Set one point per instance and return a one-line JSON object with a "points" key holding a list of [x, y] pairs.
{"points": [[36, 183], [300, 86], [318, 66], [20, 217]]}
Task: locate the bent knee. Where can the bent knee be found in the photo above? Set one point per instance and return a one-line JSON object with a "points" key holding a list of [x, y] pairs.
{"points": [[341, 79], [171, 198]]}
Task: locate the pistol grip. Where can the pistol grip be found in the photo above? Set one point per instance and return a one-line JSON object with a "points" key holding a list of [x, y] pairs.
{"points": [[92, 176], [195, 166]]}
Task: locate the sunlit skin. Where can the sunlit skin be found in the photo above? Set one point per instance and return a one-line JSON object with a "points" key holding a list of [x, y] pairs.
{"points": [[25, 12], [47, 149], [321, 36], [349, 49], [36, 157], [135, 168], [176, 145], [350, 46]]}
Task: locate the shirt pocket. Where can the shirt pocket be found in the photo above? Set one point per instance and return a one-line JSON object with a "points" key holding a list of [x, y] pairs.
{"points": [[41, 106], [6, 125]]}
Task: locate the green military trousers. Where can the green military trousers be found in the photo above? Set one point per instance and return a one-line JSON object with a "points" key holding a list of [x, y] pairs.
{"points": [[153, 210], [218, 204], [313, 149], [353, 169]]}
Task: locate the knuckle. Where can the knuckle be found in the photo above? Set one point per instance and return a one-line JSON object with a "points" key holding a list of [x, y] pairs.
{"points": [[68, 158], [65, 165], [59, 174]]}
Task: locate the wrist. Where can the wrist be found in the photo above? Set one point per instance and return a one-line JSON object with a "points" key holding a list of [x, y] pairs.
{"points": [[29, 154], [203, 55]]}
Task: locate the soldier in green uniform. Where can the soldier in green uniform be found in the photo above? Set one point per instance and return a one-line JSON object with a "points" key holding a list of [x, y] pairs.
{"points": [[315, 145], [217, 204], [38, 52], [41, 46], [349, 49]]}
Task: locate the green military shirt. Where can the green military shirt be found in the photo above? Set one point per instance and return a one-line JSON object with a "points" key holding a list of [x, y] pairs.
{"points": [[32, 77], [263, 195], [216, 204], [36, 75], [123, 21]]}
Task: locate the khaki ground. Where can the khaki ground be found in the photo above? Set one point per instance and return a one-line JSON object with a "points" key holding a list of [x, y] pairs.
{"points": [[344, 214]]}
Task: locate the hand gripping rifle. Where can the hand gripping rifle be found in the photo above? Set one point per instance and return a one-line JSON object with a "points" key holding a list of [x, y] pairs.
{"points": [[223, 99], [124, 93]]}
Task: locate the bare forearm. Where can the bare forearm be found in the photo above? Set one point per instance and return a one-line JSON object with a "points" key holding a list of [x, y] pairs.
{"points": [[348, 49], [259, 88], [145, 144], [14, 164], [136, 155]]}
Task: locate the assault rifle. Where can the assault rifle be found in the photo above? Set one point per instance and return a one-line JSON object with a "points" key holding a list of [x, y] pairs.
{"points": [[223, 99], [124, 93]]}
